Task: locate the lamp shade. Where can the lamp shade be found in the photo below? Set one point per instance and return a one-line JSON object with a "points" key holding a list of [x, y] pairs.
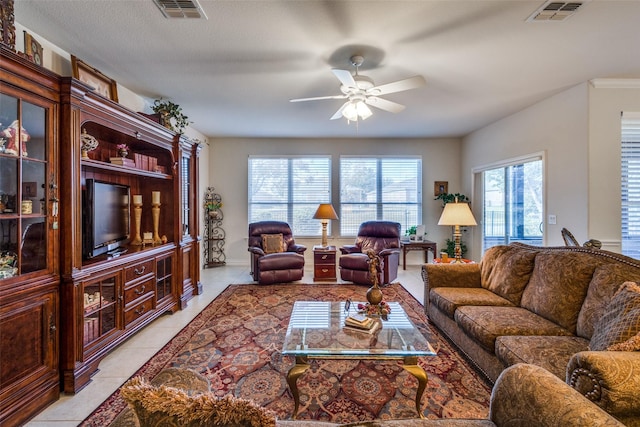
{"points": [[325, 211], [457, 214]]}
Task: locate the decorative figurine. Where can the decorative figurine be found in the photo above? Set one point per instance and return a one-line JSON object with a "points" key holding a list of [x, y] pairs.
{"points": [[12, 132]]}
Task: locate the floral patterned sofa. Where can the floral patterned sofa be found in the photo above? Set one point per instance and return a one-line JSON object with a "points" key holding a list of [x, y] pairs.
{"points": [[523, 396], [573, 311]]}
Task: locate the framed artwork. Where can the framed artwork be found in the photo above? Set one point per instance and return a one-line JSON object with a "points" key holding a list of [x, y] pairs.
{"points": [[102, 84], [29, 189], [32, 49], [7, 24], [440, 187]]}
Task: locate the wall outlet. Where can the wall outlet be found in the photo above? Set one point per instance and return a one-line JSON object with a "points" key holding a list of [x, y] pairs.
{"points": [[552, 220]]}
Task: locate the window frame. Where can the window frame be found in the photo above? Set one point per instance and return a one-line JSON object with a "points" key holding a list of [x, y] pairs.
{"points": [[380, 203], [292, 205]]}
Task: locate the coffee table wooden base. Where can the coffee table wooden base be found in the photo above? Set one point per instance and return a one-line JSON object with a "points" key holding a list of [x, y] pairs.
{"points": [[410, 364]]}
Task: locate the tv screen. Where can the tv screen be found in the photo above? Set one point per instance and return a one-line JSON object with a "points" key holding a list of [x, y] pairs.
{"points": [[106, 217]]}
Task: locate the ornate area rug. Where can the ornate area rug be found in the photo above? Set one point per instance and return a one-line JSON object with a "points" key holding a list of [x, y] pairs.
{"points": [[236, 343]]}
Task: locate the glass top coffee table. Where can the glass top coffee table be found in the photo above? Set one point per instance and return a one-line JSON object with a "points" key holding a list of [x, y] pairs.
{"points": [[316, 330]]}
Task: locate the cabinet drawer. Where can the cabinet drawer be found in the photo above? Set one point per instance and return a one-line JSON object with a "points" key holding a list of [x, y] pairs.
{"points": [[138, 290], [325, 272], [139, 310], [325, 258], [138, 271]]}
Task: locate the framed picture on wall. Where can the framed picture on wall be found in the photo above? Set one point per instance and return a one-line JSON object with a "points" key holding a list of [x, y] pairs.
{"points": [[32, 49], [440, 187], [102, 84]]}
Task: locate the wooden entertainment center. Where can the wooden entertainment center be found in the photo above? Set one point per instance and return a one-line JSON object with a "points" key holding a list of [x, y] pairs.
{"points": [[60, 316]]}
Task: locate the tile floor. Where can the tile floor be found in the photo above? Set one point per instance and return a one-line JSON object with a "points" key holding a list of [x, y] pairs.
{"points": [[125, 360]]}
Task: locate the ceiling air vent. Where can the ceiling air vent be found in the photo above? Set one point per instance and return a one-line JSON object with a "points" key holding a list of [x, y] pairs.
{"points": [[555, 11], [180, 9]]}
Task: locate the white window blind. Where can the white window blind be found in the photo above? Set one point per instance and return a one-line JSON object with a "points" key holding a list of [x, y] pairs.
{"points": [[289, 189], [630, 215], [379, 188]]}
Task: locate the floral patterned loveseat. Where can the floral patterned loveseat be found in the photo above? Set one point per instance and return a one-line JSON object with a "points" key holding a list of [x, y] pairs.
{"points": [[573, 311]]}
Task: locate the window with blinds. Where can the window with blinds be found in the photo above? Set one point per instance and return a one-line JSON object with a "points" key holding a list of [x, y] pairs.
{"points": [[630, 215], [379, 188], [289, 189]]}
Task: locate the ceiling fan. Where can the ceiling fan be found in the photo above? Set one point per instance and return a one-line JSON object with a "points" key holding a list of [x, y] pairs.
{"points": [[361, 93]]}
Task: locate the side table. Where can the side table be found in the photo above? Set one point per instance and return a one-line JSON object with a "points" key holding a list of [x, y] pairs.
{"points": [[424, 245], [324, 263]]}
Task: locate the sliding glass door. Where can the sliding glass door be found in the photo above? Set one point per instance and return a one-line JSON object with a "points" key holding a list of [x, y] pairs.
{"points": [[513, 204]]}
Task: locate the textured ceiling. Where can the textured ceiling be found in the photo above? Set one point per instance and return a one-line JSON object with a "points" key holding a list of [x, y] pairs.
{"points": [[234, 73]]}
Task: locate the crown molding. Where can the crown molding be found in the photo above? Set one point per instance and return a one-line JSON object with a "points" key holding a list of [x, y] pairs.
{"points": [[615, 83]]}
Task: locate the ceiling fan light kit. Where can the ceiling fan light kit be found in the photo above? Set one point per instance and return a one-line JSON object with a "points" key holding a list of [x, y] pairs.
{"points": [[361, 92]]}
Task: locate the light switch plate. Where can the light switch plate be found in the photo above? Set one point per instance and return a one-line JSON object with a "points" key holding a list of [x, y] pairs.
{"points": [[552, 220]]}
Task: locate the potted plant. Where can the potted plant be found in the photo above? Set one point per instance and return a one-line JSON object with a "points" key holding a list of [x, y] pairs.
{"points": [[451, 197], [171, 115], [213, 207], [411, 232]]}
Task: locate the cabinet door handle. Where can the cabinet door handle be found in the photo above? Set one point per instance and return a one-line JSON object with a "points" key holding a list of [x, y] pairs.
{"points": [[140, 310], [324, 270], [140, 291], [141, 271], [325, 256]]}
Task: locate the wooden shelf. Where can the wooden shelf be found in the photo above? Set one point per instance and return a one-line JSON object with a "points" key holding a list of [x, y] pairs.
{"points": [[123, 169]]}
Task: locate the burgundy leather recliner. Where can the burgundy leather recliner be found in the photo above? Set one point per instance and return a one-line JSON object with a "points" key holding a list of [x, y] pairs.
{"points": [[383, 237], [278, 267]]}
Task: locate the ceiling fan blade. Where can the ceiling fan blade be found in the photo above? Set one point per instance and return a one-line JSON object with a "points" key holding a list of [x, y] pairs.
{"points": [[338, 113], [399, 86], [384, 104], [318, 98], [345, 77]]}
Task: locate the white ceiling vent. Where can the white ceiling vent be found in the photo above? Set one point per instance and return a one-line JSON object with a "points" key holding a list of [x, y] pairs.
{"points": [[180, 9], [555, 11]]}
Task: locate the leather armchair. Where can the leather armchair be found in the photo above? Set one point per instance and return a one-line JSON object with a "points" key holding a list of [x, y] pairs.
{"points": [[286, 265], [383, 237]]}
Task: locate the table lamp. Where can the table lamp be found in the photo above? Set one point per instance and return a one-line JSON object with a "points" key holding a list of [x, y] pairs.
{"points": [[324, 213], [457, 214]]}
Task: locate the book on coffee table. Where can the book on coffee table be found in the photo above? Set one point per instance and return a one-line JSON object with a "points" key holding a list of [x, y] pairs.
{"points": [[359, 321]]}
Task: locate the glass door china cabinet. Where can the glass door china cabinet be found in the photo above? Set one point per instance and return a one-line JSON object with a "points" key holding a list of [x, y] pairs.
{"points": [[29, 279]]}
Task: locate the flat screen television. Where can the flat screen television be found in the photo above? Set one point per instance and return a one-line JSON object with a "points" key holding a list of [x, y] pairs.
{"points": [[106, 218]]}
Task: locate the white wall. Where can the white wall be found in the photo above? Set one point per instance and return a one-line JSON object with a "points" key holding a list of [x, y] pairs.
{"points": [[556, 126], [605, 107], [579, 131], [228, 161]]}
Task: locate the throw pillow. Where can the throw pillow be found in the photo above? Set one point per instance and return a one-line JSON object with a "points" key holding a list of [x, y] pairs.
{"points": [[272, 243], [619, 328], [162, 405]]}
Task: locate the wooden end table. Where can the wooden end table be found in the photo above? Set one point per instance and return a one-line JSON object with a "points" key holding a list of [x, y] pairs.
{"points": [[324, 263], [424, 245]]}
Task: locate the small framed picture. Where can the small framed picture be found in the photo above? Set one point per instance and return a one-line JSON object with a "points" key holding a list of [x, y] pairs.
{"points": [[440, 187], [29, 189], [32, 49], [102, 84]]}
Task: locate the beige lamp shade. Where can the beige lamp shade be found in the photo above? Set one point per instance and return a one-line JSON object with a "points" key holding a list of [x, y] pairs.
{"points": [[325, 211], [457, 214]]}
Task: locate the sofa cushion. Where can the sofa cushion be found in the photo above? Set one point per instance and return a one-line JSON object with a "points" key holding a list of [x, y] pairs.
{"points": [[619, 327], [550, 352], [449, 299], [485, 324], [162, 405], [506, 270], [558, 286], [606, 280], [272, 243]]}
